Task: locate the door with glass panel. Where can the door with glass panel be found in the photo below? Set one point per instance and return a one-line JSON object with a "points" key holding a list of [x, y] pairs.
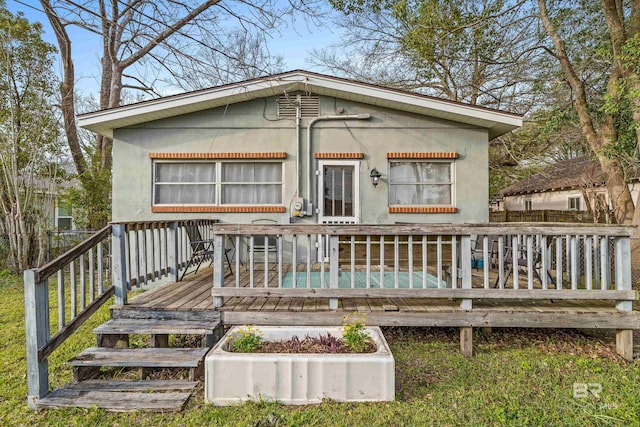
{"points": [[338, 197], [338, 201]]}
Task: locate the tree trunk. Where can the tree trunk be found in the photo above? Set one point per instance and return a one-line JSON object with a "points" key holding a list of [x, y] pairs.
{"points": [[115, 96], [599, 141], [107, 79], [67, 89]]}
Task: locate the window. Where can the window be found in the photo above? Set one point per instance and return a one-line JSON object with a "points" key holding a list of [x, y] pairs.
{"points": [[421, 183], [574, 203], [185, 183], [64, 219], [528, 205], [217, 183], [251, 183]]}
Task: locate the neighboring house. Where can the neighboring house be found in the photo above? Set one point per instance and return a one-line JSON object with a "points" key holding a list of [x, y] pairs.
{"points": [[303, 147], [575, 184], [49, 193], [60, 218]]}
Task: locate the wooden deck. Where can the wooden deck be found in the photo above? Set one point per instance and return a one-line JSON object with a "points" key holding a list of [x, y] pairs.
{"points": [[192, 298], [572, 276]]}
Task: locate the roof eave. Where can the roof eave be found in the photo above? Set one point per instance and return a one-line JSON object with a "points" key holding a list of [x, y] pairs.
{"points": [[105, 121]]}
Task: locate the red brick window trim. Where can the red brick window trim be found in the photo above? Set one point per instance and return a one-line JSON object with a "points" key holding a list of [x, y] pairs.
{"points": [[424, 155], [218, 209], [423, 209], [227, 156], [339, 155]]}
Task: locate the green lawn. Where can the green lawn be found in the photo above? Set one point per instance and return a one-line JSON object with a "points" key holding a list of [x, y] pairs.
{"points": [[515, 378]]}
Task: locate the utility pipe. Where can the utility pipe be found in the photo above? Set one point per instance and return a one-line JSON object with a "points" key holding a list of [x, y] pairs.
{"points": [[298, 116], [363, 116]]}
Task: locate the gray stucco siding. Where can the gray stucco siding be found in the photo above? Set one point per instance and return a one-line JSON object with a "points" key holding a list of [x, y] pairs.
{"points": [[243, 128]]}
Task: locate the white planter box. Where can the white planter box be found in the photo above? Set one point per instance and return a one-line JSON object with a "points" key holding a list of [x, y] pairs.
{"points": [[297, 379]]}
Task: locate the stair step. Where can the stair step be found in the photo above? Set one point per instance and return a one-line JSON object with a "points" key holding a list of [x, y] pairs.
{"points": [[138, 385], [115, 401], [159, 327], [127, 312], [140, 357]]}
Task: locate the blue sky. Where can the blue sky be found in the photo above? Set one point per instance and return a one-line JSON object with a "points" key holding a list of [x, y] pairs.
{"points": [[294, 44]]}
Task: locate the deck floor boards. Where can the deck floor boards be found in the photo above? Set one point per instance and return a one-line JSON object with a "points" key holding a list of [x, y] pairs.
{"points": [[310, 304], [197, 293], [270, 304], [283, 304], [193, 294]]}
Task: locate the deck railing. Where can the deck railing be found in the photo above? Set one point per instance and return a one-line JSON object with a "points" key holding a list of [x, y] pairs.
{"points": [[331, 261], [76, 284], [151, 251], [439, 261]]}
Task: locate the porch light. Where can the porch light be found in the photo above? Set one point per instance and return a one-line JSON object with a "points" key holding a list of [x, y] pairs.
{"points": [[375, 176]]}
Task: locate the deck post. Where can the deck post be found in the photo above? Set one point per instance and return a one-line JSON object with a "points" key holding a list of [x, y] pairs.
{"points": [[172, 251], [218, 267], [624, 337], [624, 343], [465, 260], [36, 297], [118, 236], [623, 269], [334, 269], [466, 341], [466, 333]]}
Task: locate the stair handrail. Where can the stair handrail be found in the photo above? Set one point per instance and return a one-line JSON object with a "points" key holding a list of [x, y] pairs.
{"points": [[118, 257], [92, 252]]}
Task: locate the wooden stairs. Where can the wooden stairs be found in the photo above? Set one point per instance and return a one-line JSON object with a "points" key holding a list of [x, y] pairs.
{"points": [[119, 395]]}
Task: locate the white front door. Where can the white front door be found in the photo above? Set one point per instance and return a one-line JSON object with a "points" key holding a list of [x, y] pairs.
{"points": [[338, 196], [339, 192]]}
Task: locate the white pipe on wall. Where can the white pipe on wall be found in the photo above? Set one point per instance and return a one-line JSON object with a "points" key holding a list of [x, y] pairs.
{"points": [[363, 116], [298, 116]]}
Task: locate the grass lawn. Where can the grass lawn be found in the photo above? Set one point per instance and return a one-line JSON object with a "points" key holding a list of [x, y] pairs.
{"points": [[516, 377]]}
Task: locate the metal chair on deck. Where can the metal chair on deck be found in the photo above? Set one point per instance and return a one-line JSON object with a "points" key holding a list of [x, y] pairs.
{"points": [[201, 250], [263, 242], [518, 260]]}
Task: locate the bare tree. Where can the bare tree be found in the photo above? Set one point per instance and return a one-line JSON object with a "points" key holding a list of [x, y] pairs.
{"points": [[246, 56], [478, 52], [169, 36]]}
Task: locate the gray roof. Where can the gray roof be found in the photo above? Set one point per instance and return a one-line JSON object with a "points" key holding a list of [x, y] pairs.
{"points": [[563, 175]]}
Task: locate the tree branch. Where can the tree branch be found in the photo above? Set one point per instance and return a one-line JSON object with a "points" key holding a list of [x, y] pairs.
{"points": [[124, 63]]}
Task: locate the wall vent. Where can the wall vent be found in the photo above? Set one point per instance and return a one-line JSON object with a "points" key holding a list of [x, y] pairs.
{"points": [[287, 105]]}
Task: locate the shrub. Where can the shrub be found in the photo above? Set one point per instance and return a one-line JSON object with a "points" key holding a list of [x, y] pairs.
{"points": [[247, 339], [354, 333]]}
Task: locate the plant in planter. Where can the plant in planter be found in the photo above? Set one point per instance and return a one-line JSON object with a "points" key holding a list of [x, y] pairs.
{"points": [[292, 376], [355, 339], [354, 333], [247, 339]]}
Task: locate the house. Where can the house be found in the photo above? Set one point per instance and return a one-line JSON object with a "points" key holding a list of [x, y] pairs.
{"points": [[387, 189], [49, 200], [304, 147], [576, 185]]}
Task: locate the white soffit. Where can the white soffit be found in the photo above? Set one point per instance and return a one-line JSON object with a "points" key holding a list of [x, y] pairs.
{"points": [[105, 121]]}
